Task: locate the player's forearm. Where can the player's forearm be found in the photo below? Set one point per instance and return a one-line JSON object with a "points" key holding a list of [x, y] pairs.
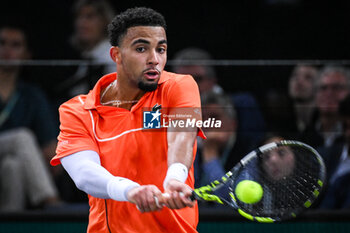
{"points": [[89, 176], [180, 155], [180, 147]]}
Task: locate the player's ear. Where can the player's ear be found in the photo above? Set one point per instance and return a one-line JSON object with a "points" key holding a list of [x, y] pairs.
{"points": [[114, 52]]}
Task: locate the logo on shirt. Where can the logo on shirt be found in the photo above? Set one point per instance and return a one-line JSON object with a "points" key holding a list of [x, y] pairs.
{"points": [[152, 119], [178, 118]]}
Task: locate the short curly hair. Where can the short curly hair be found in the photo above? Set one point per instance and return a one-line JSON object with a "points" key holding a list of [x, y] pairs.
{"points": [[138, 16]]}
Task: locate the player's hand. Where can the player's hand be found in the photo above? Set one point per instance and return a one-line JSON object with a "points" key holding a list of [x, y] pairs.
{"points": [[147, 198], [178, 195]]}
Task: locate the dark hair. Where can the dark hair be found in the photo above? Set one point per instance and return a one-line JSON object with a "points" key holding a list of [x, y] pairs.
{"points": [[138, 16]]}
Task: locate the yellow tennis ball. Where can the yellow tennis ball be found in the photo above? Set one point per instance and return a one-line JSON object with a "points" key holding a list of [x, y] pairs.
{"points": [[249, 191]]}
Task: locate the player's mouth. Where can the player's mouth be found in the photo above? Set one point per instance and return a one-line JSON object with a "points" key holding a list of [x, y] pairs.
{"points": [[151, 74]]}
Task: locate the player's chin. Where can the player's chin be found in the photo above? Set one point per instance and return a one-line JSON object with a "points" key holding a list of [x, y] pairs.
{"points": [[148, 85]]}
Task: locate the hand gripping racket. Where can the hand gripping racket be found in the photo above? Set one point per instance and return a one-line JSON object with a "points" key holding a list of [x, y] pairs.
{"points": [[290, 173]]}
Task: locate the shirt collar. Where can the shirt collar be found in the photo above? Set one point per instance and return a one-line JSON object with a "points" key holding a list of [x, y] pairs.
{"points": [[93, 97]]}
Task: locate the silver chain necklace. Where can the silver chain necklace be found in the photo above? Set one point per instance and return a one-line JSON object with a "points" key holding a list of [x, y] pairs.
{"points": [[115, 102]]}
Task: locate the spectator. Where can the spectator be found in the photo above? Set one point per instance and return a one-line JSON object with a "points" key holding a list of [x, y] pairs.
{"points": [[290, 114], [91, 42], [223, 147], [337, 162], [204, 75], [27, 131], [275, 166], [302, 91], [332, 86], [251, 123]]}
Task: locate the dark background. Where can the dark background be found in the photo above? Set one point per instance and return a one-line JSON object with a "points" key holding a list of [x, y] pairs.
{"points": [[244, 29]]}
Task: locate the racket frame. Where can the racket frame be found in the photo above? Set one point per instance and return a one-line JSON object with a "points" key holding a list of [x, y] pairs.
{"points": [[205, 193]]}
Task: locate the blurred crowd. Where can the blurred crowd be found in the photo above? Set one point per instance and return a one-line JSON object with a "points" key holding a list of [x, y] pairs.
{"points": [[314, 110]]}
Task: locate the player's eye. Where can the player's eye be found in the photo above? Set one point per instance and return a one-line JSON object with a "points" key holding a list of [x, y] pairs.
{"points": [[140, 49], [161, 50]]}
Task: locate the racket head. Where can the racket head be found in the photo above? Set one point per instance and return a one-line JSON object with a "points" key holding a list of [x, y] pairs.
{"points": [[290, 173]]}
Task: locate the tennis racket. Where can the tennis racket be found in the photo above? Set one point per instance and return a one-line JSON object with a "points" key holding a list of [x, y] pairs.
{"points": [[290, 173]]}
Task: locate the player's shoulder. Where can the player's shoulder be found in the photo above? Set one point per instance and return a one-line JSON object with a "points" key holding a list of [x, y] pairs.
{"points": [[174, 78], [75, 104]]}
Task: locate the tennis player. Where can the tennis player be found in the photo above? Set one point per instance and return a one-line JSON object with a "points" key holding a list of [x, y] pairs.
{"points": [[123, 166]]}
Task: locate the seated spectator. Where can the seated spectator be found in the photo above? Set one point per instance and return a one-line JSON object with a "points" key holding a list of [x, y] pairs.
{"points": [[223, 147], [337, 160], [251, 123], [27, 131], [302, 91], [91, 41], [274, 166], [290, 114], [333, 85], [204, 75]]}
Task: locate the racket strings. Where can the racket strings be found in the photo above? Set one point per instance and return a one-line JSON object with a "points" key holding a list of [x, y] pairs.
{"points": [[292, 192]]}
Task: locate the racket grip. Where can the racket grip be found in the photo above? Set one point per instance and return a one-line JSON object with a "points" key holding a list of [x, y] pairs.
{"points": [[193, 196]]}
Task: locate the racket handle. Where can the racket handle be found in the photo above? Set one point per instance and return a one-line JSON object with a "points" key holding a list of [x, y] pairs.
{"points": [[193, 196]]}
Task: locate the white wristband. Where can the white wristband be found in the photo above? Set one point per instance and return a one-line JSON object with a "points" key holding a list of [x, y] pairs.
{"points": [[118, 187], [177, 171]]}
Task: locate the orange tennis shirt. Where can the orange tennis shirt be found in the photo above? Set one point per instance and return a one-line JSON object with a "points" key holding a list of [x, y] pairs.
{"points": [[128, 150]]}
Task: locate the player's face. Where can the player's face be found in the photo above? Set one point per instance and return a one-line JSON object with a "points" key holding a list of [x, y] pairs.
{"points": [[141, 56], [302, 83], [332, 89]]}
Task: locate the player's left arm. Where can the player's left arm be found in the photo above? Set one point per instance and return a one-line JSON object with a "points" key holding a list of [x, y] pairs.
{"points": [[184, 99], [180, 157]]}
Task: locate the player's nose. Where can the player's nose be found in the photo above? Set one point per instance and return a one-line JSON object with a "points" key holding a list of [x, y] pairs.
{"points": [[153, 58]]}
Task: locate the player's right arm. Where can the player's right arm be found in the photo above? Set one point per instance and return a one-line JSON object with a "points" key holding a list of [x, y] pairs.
{"points": [[77, 152], [89, 176]]}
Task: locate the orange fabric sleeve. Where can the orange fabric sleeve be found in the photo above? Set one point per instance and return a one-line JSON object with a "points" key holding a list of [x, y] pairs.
{"points": [[74, 134], [184, 93]]}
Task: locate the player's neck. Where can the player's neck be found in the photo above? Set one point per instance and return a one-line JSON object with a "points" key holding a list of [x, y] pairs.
{"points": [[126, 90], [120, 94]]}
